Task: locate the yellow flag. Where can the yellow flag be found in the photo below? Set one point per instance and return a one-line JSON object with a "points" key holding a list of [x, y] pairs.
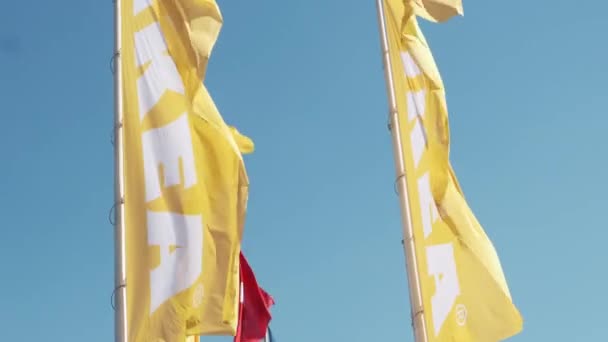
{"points": [[185, 182], [437, 10], [464, 291]]}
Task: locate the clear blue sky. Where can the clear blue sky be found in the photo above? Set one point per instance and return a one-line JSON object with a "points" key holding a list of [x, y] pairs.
{"points": [[526, 87]]}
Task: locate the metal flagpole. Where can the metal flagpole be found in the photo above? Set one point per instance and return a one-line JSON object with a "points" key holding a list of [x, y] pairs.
{"points": [[417, 311], [120, 310]]}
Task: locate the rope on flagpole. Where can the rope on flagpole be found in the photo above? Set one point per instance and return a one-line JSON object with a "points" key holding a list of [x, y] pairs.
{"points": [[113, 71], [119, 296], [113, 61], [389, 126], [111, 215], [113, 295], [396, 184], [113, 223], [113, 133]]}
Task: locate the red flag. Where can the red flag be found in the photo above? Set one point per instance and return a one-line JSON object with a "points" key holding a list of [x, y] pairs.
{"points": [[254, 311]]}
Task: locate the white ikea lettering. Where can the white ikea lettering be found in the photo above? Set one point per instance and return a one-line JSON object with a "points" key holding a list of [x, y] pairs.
{"points": [[416, 104], [167, 146], [415, 110], [161, 75], [178, 268], [440, 258], [427, 204], [418, 141], [441, 265], [410, 67], [179, 237], [140, 5]]}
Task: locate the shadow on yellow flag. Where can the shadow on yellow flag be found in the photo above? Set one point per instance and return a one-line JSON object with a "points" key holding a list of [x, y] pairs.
{"points": [[465, 293]]}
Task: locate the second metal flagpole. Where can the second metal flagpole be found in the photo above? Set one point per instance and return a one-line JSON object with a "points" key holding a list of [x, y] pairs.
{"points": [[417, 310], [120, 309]]}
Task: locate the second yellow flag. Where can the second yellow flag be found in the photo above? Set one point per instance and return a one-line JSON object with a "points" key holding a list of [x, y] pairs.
{"points": [[465, 296]]}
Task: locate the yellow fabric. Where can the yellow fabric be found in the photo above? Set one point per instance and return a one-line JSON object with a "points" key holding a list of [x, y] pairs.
{"points": [[210, 306], [437, 10], [483, 309]]}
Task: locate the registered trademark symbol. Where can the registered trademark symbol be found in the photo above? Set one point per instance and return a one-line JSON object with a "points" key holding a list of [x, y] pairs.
{"points": [[197, 298], [461, 314]]}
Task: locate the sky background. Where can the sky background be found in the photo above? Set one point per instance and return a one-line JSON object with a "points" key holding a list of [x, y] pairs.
{"points": [[526, 90]]}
